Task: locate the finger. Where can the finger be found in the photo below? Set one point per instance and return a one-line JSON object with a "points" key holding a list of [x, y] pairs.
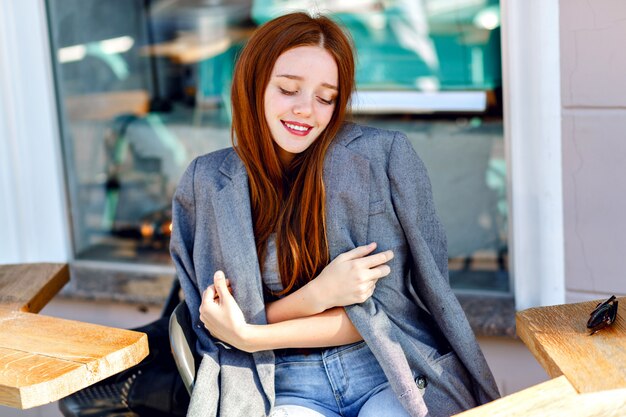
{"points": [[368, 292], [359, 251], [209, 293], [380, 272], [230, 288], [372, 290], [376, 259], [219, 280]]}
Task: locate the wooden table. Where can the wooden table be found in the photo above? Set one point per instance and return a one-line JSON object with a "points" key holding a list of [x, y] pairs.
{"points": [[190, 48], [43, 359], [107, 106], [589, 372]]}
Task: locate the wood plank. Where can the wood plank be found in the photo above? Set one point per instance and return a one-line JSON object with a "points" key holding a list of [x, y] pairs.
{"points": [[554, 398], [557, 336], [43, 359], [21, 376], [29, 287]]}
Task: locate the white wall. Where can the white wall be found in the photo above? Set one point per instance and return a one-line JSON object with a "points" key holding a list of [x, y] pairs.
{"points": [[593, 92], [32, 195]]}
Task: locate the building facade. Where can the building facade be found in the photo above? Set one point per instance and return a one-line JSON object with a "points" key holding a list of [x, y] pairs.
{"points": [[562, 141]]}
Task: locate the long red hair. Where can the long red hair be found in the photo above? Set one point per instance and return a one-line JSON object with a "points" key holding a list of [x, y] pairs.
{"points": [[287, 200]]}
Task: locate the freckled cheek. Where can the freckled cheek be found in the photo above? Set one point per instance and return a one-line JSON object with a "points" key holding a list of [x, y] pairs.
{"points": [[273, 103], [326, 114], [277, 106]]}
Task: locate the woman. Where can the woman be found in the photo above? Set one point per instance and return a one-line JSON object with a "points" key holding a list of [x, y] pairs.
{"points": [[274, 243]]}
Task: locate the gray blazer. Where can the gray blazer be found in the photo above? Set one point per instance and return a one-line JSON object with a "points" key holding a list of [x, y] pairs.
{"points": [[377, 189]]}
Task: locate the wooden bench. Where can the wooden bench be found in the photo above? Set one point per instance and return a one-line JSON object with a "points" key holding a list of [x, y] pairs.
{"points": [[43, 359]]}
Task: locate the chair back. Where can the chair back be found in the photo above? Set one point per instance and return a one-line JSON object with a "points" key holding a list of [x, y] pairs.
{"points": [[183, 344]]}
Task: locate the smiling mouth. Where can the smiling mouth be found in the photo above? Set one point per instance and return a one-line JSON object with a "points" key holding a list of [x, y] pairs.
{"points": [[297, 129]]}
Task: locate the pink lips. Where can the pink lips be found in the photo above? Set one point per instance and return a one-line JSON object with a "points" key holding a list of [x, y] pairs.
{"points": [[297, 132]]}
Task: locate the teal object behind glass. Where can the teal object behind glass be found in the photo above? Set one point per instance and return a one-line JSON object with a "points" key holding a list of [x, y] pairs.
{"points": [[414, 45]]}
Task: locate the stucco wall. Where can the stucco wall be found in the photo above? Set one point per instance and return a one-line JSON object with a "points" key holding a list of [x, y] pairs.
{"points": [[593, 94]]}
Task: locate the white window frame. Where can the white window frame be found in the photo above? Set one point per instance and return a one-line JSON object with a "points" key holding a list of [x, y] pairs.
{"points": [[33, 208], [532, 126]]}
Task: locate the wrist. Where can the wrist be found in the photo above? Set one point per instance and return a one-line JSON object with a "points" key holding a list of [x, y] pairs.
{"points": [[249, 338], [318, 300]]}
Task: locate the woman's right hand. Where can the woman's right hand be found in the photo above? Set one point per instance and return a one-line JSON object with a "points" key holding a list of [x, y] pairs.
{"points": [[351, 277]]}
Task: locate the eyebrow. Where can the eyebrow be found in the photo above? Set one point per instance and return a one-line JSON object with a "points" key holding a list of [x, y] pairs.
{"points": [[299, 78]]}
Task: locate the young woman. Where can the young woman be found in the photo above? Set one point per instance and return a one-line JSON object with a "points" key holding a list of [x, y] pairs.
{"points": [[310, 254]]}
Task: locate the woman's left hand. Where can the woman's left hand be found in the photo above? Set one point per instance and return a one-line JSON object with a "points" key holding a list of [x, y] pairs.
{"points": [[221, 314]]}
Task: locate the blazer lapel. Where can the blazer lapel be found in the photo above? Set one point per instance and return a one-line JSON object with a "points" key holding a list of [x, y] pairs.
{"points": [[347, 182], [240, 262]]}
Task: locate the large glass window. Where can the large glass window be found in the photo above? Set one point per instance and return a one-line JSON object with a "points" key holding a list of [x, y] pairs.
{"points": [[143, 88]]}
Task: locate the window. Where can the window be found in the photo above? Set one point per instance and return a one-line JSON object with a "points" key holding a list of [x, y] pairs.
{"points": [[143, 87]]}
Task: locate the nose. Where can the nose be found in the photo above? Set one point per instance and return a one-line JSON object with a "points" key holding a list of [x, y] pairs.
{"points": [[303, 107]]}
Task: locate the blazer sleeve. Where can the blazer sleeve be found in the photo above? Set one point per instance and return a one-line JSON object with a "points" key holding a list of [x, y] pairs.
{"points": [[181, 250], [413, 203]]}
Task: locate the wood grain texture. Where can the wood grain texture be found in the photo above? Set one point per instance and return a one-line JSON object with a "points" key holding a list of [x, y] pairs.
{"points": [[29, 287], [43, 359], [554, 398], [558, 338]]}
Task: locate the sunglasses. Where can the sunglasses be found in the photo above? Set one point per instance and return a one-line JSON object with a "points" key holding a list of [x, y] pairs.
{"points": [[603, 316]]}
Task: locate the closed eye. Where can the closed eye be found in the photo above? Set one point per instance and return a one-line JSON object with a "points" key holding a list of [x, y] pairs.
{"points": [[327, 102], [287, 92]]}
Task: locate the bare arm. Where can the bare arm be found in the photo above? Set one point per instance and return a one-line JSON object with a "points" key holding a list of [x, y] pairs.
{"points": [[349, 279], [225, 321], [329, 328]]}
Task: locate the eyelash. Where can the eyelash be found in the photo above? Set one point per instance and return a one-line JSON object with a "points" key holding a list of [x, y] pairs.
{"points": [[291, 93], [287, 92]]}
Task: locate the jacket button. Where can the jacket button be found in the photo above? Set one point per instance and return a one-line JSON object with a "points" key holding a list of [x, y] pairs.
{"points": [[421, 382]]}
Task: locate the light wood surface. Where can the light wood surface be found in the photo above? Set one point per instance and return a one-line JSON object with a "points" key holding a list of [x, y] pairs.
{"points": [[43, 359], [554, 398], [107, 106], [29, 287], [188, 49], [558, 338]]}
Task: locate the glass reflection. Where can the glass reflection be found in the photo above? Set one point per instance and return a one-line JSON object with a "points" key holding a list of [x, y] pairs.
{"points": [[144, 86]]}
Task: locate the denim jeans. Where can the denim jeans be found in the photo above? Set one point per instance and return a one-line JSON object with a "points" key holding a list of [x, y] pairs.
{"points": [[347, 381], [343, 381]]}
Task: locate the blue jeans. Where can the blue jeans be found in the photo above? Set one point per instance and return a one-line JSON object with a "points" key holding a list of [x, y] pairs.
{"points": [[344, 381]]}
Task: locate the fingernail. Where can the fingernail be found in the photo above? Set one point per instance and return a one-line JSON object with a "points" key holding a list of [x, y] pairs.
{"points": [[371, 245], [219, 275]]}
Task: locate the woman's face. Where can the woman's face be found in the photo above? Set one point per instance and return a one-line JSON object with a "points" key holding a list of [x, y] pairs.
{"points": [[300, 98]]}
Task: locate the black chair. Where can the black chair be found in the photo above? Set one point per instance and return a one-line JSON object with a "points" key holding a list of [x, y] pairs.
{"points": [[152, 388]]}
